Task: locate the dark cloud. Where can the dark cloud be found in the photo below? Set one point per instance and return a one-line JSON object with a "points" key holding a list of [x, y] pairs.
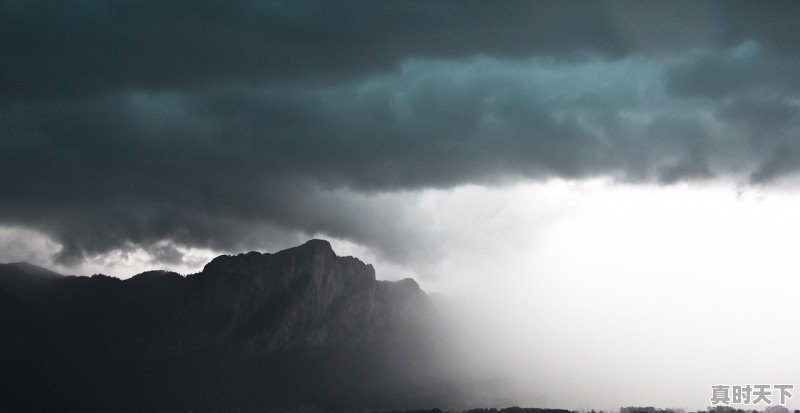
{"points": [[228, 125], [742, 69], [54, 49]]}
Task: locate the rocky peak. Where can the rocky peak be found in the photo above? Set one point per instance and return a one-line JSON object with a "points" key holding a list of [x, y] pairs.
{"points": [[313, 261], [315, 246], [305, 295], [152, 275]]}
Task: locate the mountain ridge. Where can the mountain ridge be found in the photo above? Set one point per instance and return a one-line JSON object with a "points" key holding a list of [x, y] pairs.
{"points": [[301, 325], [23, 278]]}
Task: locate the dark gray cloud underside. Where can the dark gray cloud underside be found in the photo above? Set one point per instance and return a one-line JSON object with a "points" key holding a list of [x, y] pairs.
{"points": [[227, 124]]}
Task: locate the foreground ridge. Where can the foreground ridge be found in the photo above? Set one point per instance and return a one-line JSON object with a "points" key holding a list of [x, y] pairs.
{"points": [[301, 325]]}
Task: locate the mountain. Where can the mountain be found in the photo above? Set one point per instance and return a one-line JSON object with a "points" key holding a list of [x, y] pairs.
{"points": [[301, 326], [23, 279]]}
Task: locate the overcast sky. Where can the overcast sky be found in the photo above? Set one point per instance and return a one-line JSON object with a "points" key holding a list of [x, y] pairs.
{"points": [[617, 154]]}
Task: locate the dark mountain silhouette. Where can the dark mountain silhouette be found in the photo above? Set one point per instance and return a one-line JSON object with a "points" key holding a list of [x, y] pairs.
{"points": [[298, 327], [23, 279]]}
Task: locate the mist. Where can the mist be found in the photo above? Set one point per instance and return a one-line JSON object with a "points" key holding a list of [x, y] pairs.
{"points": [[595, 295], [588, 294]]}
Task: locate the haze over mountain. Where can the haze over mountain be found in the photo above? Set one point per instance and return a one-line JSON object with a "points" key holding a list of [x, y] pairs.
{"points": [[253, 330]]}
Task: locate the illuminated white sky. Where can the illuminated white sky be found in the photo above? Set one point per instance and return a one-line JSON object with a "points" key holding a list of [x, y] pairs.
{"points": [[612, 295]]}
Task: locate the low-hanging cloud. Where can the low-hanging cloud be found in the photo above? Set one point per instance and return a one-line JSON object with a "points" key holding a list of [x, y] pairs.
{"points": [[229, 126]]}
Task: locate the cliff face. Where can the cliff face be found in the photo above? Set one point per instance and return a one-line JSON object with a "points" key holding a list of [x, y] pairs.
{"points": [[298, 326], [304, 296]]}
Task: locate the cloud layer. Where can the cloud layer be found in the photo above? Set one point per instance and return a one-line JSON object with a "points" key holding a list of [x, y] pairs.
{"points": [[230, 125]]}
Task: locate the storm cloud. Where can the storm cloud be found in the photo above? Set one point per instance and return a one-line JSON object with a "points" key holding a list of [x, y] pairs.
{"points": [[228, 125]]}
